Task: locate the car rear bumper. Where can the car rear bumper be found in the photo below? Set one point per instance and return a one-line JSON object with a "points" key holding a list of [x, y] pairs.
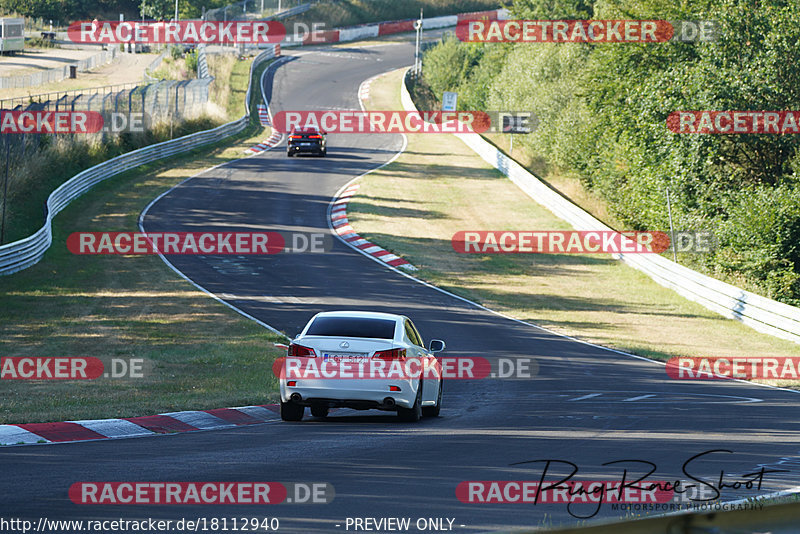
{"points": [[315, 149], [365, 394]]}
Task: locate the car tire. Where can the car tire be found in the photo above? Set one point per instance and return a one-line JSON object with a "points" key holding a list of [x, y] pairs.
{"points": [[413, 414], [324, 153], [289, 154], [291, 411], [433, 411], [319, 411]]}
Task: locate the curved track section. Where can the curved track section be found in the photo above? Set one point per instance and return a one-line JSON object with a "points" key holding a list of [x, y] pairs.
{"points": [[587, 405]]}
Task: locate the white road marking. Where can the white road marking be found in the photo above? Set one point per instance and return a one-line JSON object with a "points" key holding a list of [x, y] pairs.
{"points": [[589, 396], [640, 397]]}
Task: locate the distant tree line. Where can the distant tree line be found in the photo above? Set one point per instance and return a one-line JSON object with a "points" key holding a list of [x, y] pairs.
{"points": [[63, 12]]}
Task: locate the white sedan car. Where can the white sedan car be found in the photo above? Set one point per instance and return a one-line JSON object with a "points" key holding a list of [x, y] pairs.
{"points": [[361, 360]]}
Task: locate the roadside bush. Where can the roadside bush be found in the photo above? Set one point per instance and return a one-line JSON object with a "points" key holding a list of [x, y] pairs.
{"points": [[760, 239], [191, 61], [39, 42]]}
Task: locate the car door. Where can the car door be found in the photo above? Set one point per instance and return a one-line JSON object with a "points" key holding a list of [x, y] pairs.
{"points": [[430, 385]]}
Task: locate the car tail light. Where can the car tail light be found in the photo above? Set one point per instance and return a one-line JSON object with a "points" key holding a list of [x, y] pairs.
{"points": [[394, 388], [291, 383], [391, 354], [315, 137], [295, 137], [299, 350]]}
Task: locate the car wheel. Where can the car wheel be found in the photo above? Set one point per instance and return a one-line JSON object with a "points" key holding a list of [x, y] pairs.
{"points": [[291, 411], [413, 414], [433, 411], [319, 411], [289, 154], [324, 153]]}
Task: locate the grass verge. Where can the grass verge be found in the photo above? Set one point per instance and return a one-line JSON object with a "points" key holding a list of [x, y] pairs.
{"points": [[439, 186], [197, 353]]}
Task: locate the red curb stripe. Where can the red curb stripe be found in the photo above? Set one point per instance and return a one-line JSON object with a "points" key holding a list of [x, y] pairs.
{"points": [[385, 28], [366, 245], [381, 253], [234, 416], [325, 36], [398, 261], [161, 424], [62, 431], [478, 15], [272, 407]]}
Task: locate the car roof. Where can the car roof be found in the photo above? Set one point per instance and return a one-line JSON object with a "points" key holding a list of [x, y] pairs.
{"points": [[305, 130], [363, 315]]}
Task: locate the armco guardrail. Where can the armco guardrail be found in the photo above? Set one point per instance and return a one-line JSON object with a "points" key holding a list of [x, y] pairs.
{"points": [[297, 10], [26, 252], [760, 313], [366, 31]]}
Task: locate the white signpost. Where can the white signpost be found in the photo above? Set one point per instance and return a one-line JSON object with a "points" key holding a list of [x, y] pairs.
{"points": [[449, 101]]}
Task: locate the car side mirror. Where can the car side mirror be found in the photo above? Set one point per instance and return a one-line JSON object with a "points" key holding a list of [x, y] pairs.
{"points": [[436, 345]]}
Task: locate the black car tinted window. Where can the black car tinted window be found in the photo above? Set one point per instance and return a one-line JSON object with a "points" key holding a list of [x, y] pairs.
{"points": [[352, 327]]}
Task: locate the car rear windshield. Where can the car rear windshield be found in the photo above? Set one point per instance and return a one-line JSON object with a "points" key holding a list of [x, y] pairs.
{"points": [[352, 327]]}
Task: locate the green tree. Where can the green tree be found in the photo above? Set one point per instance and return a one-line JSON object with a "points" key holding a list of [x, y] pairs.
{"points": [[157, 9]]}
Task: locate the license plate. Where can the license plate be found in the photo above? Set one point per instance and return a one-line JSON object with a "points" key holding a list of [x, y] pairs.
{"points": [[306, 144], [344, 357]]}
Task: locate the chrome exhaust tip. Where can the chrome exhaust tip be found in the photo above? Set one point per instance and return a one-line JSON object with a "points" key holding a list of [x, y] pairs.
{"points": [[388, 402], [296, 397]]}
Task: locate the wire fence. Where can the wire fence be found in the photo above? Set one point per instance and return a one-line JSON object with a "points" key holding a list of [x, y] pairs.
{"points": [[159, 101], [57, 74], [126, 108]]}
